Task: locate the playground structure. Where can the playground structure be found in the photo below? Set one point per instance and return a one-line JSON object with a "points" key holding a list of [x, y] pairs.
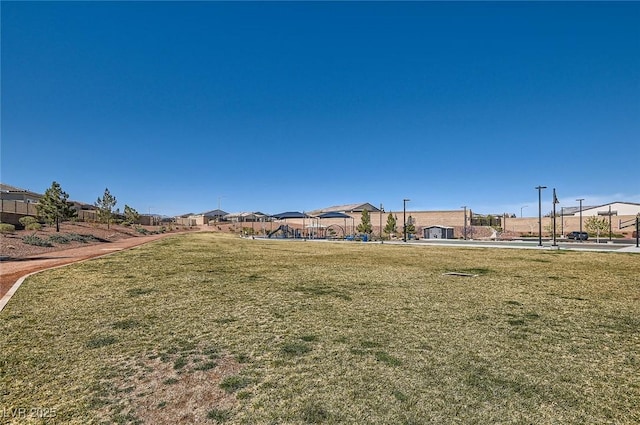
{"points": [[285, 232], [633, 222]]}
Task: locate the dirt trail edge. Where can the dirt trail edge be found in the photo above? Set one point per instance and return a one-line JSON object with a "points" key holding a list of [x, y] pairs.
{"points": [[12, 271]]}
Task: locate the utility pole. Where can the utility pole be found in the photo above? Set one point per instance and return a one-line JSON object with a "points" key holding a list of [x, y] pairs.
{"points": [[381, 211], [555, 201], [464, 227], [580, 200], [540, 213], [404, 218]]}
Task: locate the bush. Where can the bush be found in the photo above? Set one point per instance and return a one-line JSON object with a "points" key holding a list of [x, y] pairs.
{"points": [[33, 226], [74, 237], [27, 220], [34, 240], [6, 228], [142, 230], [59, 239]]}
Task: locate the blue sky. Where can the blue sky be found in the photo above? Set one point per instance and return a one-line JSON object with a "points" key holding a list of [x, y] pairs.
{"points": [[176, 107]]}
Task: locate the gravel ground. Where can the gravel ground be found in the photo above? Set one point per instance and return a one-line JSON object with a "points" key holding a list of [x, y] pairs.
{"points": [[12, 245]]}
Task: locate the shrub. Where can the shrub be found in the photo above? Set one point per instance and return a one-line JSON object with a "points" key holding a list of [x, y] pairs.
{"points": [[142, 230], [6, 228], [34, 240], [59, 239], [33, 226], [74, 237], [27, 220]]}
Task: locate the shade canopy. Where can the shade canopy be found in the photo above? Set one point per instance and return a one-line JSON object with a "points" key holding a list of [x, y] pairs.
{"points": [[290, 214], [334, 214]]}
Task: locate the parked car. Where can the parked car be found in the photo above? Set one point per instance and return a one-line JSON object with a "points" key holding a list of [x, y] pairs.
{"points": [[582, 236]]}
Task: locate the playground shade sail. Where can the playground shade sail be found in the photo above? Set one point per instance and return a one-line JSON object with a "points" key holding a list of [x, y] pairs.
{"points": [[290, 214], [334, 214]]}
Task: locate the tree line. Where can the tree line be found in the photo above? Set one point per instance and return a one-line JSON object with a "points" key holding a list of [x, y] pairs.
{"points": [[54, 208], [390, 228]]}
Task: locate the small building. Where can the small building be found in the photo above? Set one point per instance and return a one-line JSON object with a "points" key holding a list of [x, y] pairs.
{"points": [[438, 232]]}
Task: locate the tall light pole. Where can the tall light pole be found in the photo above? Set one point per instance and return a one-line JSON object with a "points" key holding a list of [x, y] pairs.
{"points": [[464, 227], [555, 201], [219, 217], [521, 208], [381, 211], [580, 200], [404, 218], [540, 213]]}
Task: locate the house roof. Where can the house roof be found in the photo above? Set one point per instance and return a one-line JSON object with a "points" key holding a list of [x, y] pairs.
{"points": [[214, 213], [576, 210], [348, 208], [252, 215], [611, 203], [7, 188], [12, 189], [573, 210]]}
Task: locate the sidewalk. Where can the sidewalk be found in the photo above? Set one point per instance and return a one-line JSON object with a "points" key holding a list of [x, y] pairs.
{"points": [[11, 271]]}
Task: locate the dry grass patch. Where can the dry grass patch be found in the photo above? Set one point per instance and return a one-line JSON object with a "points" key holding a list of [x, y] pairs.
{"points": [[243, 331], [171, 389]]}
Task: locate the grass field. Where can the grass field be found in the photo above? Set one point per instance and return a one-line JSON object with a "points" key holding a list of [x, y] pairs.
{"points": [[206, 328]]}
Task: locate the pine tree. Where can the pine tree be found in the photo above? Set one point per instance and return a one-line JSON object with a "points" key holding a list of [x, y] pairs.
{"points": [[411, 227], [131, 216], [53, 207], [105, 207], [391, 226], [365, 224]]}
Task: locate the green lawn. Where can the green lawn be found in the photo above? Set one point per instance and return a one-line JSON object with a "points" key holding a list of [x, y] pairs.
{"points": [[206, 328]]}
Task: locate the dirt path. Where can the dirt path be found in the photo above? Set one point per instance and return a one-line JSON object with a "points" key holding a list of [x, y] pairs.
{"points": [[12, 270]]}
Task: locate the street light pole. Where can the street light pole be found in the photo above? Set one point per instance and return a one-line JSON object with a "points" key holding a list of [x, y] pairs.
{"points": [[580, 200], [540, 213], [218, 217], [555, 201], [404, 218], [464, 227], [525, 206], [381, 211], [609, 223]]}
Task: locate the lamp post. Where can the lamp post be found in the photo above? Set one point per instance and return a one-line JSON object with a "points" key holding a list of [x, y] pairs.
{"points": [[521, 208], [404, 218], [638, 230], [219, 217], [580, 200], [610, 223], [540, 213], [555, 201], [464, 226], [381, 211]]}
